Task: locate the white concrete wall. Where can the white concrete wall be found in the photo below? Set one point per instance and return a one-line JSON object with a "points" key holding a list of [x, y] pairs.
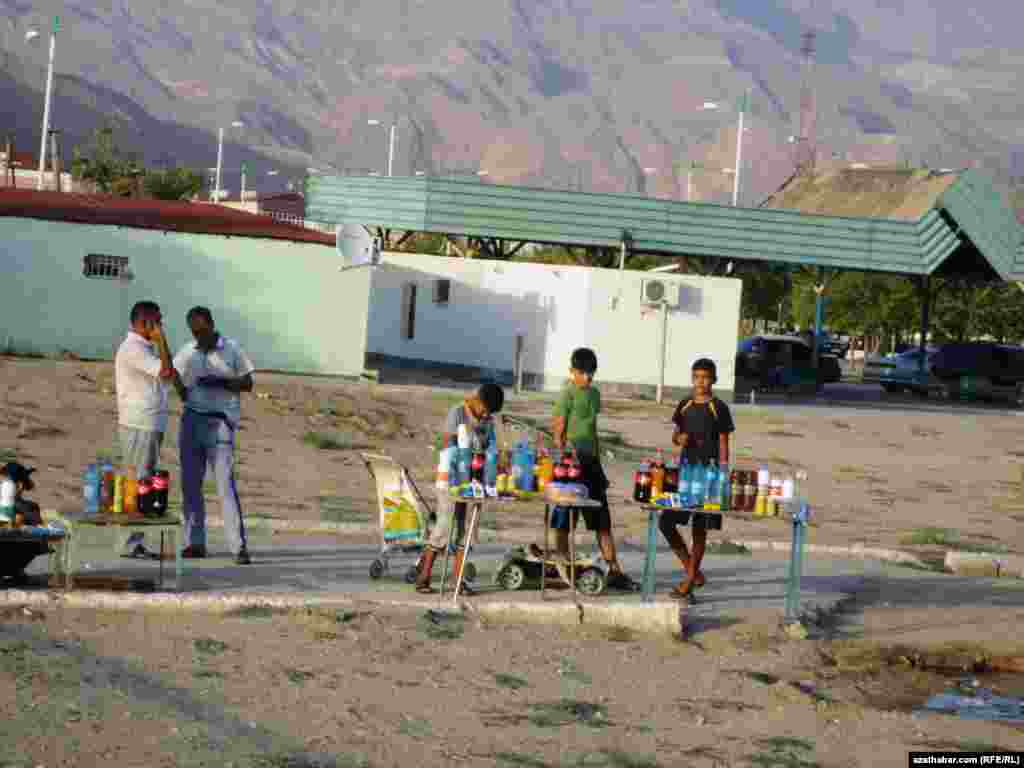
{"points": [[287, 303], [558, 309]]}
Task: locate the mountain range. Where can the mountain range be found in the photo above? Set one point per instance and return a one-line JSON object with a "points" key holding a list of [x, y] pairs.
{"points": [[598, 95]]}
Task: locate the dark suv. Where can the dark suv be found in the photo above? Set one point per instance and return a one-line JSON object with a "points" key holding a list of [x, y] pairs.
{"points": [[781, 362], [980, 369]]}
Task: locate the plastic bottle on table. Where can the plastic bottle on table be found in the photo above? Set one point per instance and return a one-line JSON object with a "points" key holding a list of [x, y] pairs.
{"points": [[106, 505], [91, 489], [118, 495], [697, 485], [725, 487], [685, 482], [131, 492], [491, 467], [658, 475]]}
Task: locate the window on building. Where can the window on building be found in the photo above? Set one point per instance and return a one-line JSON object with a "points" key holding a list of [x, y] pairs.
{"points": [[442, 291], [105, 267], [409, 310]]}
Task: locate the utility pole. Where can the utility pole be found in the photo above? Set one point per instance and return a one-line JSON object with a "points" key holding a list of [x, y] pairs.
{"points": [[46, 105], [391, 147], [739, 150]]}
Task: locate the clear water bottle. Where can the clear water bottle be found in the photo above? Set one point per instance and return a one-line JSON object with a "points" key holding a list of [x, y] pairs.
{"points": [[491, 467], [91, 489], [685, 480], [697, 485], [711, 483]]}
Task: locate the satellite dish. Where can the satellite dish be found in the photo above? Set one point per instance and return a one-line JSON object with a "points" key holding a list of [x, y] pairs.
{"points": [[355, 246]]}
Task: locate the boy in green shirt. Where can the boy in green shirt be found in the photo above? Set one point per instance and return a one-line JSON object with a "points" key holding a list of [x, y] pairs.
{"points": [[575, 422]]}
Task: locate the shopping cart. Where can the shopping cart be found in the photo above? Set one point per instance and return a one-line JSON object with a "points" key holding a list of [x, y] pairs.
{"points": [[405, 517]]}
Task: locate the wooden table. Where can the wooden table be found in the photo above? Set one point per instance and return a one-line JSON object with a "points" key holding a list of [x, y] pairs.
{"points": [[117, 530]]}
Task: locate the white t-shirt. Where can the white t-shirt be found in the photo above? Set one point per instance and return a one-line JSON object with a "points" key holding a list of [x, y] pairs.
{"points": [[226, 360], [141, 395]]}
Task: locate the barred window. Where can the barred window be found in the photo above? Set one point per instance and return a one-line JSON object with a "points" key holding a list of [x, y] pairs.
{"points": [[105, 267]]}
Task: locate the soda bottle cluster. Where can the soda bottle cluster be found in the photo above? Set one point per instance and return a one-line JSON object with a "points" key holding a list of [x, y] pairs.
{"points": [[714, 487], [107, 491], [523, 469]]}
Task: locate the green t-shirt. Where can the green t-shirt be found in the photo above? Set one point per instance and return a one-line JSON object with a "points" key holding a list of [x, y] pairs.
{"points": [[579, 408]]}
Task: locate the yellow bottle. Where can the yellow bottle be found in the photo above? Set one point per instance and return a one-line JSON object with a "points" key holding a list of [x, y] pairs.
{"points": [[131, 493], [658, 476], [545, 472], [118, 495]]}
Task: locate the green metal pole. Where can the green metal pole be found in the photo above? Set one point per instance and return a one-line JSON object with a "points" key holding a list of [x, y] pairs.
{"points": [[650, 557]]}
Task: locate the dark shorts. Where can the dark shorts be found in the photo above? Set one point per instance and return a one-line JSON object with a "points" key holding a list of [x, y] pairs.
{"points": [[597, 518]]}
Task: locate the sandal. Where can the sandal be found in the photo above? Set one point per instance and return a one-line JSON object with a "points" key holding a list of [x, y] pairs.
{"points": [[683, 596]]}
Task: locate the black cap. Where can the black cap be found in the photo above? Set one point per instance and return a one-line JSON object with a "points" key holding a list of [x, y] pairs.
{"points": [[19, 473]]}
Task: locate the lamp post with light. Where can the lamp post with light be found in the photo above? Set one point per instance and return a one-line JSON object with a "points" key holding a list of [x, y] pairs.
{"points": [[31, 35], [743, 106], [220, 155], [391, 143]]}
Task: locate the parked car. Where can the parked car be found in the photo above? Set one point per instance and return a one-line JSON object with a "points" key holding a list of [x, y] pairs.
{"points": [[831, 344], [981, 369], [901, 371], [781, 362]]}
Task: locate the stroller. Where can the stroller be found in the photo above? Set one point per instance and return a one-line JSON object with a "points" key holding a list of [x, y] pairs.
{"points": [[405, 517]]}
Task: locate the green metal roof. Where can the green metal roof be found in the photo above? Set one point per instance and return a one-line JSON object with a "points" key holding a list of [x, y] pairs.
{"points": [[967, 214]]}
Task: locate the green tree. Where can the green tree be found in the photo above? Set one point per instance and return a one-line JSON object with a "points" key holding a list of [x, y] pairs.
{"points": [[104, 164], [172, 183]]}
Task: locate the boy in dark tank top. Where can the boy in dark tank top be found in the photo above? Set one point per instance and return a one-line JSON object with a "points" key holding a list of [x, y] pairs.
{"points": [[702, 427]]}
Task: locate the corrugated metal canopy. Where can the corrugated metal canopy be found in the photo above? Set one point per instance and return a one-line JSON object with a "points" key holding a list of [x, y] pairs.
{"points": [[960, 212]]}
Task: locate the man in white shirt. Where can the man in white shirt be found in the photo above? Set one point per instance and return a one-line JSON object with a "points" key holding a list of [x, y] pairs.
{"points": [[214, 371], [142, 368]]}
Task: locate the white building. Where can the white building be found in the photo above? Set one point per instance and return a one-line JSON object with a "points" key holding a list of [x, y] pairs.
{"points": [[463, 317], [72, 266]]}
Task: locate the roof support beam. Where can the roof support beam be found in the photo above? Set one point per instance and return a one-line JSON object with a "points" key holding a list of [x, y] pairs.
{"points": [[924, 289]]}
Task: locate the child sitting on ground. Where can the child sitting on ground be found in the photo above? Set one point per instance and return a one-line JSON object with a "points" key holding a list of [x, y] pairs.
{"points": [[575, 421], [703, 425], [16, 555], [476, 413]]}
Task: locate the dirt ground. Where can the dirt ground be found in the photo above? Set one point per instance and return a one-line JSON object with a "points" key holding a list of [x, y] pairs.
{"points": [[371, 687], [924, 482], [375, 687]]}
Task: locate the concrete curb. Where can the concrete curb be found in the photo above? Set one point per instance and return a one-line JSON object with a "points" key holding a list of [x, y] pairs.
{"points": [[857, 551], [984, 564], [664, 618]]}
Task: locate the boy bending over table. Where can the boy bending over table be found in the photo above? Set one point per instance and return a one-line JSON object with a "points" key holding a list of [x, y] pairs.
{"points": [[476, 413]]}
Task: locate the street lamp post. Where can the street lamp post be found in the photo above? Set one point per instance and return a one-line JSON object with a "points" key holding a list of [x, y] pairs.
{"points": [[391, 143], [220, 154], [31, 35], [743, 106], [739, 150]]}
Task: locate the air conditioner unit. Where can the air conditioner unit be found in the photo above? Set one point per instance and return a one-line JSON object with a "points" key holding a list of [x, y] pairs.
{"points": [[659, 292]]}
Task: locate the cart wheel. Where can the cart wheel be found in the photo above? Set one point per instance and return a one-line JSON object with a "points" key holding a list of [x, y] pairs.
{"points": [[376, 569], [590, 581], [511, 576], [469, 572], [411, 574]]}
